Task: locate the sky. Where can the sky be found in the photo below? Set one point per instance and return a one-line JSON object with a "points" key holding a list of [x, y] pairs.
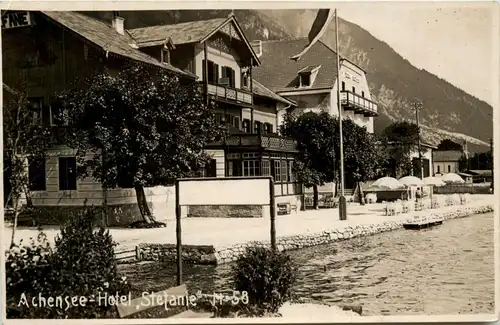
{"points": [[456, 41]]}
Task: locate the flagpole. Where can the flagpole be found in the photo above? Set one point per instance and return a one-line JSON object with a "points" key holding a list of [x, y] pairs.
{"points": [[342, 201]]}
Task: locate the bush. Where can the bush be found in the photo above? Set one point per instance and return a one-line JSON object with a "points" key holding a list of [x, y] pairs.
{"points": [[267, 276], [28, 270], [82, 264]]}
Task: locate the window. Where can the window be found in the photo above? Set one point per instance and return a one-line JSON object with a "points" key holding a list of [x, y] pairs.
{"points": [[305, 80], [266, 168], [213, 71], [276, 171], [228, 73], [237, 122], [362, 94], [449, 168], [67, 173], [284, 171], [291, 177], [439, 169], [36, 174], [209, 170], [268, 127], [353, 89], [251, 168], [343, 85], [234, 168], [165, 55], [257, 127], [41, 115], [246, 125], [244, 80]]}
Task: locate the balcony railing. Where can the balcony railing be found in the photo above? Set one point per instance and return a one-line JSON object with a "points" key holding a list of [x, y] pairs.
{"points": [[350, 100], [230, 94], [270, 141]]}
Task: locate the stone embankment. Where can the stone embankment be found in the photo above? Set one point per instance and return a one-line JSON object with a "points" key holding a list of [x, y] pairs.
{"points": [[210, 254]]}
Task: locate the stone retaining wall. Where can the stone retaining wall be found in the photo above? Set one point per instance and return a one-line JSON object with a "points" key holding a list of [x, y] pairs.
{"points": [[211, 255]]}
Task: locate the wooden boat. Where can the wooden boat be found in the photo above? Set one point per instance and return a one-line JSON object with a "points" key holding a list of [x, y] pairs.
{"points": [[418, 222]]}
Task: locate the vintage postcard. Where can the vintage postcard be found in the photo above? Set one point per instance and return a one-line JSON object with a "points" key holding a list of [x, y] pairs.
{"points": [[249, 162]]}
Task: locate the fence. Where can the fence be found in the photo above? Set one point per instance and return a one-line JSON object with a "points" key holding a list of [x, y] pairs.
{"points": [[126, 256], [461, 188]]}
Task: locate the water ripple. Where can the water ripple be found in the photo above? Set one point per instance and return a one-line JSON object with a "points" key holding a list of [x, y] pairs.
{"points": [[444, 270]]}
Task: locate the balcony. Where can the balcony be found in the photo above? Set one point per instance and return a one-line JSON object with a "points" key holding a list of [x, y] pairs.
{"points": [[230, 95], [270, 142], [360, 105]]}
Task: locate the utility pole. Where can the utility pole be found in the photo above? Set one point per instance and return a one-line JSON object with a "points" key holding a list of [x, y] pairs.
{"points": [[492, 169], [342, 200], [418, 106]]}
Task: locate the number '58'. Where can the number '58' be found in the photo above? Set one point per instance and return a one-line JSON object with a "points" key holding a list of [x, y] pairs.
{"points": [[239, 297]]}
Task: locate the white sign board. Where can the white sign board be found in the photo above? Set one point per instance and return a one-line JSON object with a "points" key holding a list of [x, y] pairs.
{"points": [[224, 192], [16, 19]]}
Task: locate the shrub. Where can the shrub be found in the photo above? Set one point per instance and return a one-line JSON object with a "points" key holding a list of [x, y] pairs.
{"points": [[267, 276], [82, 264], [28, 270]]}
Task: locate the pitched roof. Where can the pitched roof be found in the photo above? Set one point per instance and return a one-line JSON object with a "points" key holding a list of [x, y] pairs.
{"points": [[104, 36], [261, 90], [189, 32], [279, 73], [446, 155]]}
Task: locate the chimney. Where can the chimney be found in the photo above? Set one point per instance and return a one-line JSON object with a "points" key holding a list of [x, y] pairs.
{"points": [[257, 47], [118, 23]]}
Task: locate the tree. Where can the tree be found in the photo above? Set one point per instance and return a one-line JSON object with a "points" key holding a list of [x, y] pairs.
{"points": [[447, 144], [364, 157], [146, 128], [319, 146], [26, 141], [401, 140], [316, 136]]}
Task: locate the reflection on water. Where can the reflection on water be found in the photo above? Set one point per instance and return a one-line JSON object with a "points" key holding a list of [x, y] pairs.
{"points": [[444, 270]]}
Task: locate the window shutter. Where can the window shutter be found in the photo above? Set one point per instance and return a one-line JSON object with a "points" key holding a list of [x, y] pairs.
{"points": [[236, 122], [216, 73], [233, 78], [204, 69]]}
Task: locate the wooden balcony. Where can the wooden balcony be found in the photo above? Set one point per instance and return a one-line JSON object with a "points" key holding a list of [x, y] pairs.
{"points": [[270, 142], [230, 95], [360, 105]]}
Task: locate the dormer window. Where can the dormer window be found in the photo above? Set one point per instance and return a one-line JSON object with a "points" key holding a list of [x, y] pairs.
{"points": [[168, 46], [305, 80], [307, 75]]}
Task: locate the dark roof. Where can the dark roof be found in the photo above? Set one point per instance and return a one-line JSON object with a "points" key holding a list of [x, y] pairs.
{"points": [[190, 32], [480, 172], [309, 68], [261, 90], [446, 155], [104, 36], [464, 174], [185, 33], [279, 73]]}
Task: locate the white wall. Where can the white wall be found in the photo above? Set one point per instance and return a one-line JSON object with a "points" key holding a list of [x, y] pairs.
{"points": [[352, 76], [220, 58], [443, 167], [426, 154]]}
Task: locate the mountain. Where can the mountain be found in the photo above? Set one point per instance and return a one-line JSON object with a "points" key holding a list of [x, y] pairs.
{"points": [[449, 112]]}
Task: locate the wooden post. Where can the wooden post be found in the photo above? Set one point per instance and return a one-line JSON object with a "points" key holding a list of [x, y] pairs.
{"points": [[272, 209], [205, 75], [251, 94], [178, 233]]}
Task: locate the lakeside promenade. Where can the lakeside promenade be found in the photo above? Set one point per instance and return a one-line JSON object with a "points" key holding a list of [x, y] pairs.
{"points": [[223, 233]]}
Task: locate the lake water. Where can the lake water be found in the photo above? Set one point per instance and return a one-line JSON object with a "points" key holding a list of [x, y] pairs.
{"points": [[448, 269]]}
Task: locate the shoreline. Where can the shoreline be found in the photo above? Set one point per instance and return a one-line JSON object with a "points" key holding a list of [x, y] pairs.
{"points": [[214, 255]]}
